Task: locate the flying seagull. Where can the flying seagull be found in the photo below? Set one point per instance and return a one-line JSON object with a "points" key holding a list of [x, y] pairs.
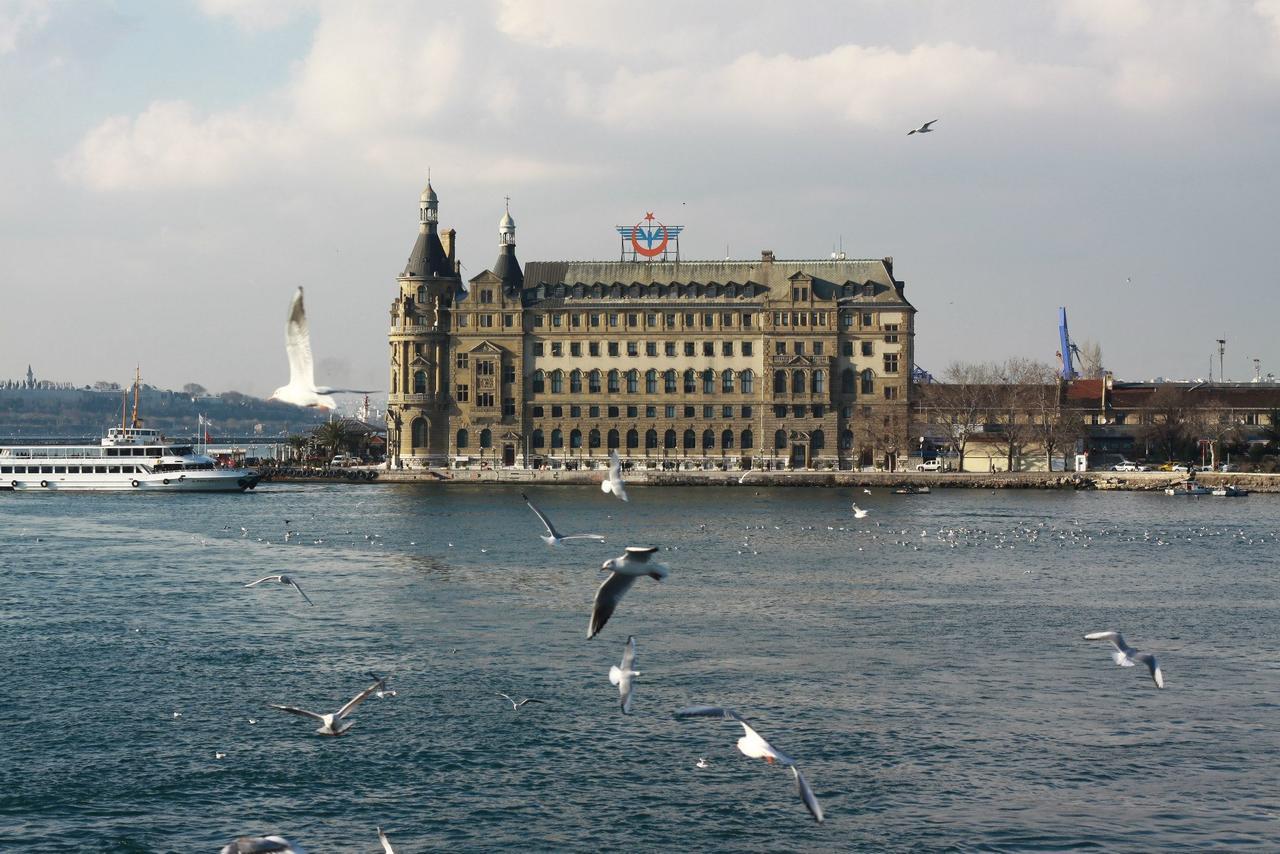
{"points": [[752, 744], [858, 512], [386, 843], [743, 479], [613, 482], [1127, 656], [332, 723], [621, 676], [515, 706], [302, 389], [623, 572], [261, 845], [554, 537], [282, 579], [924, 128], [381, 691]]}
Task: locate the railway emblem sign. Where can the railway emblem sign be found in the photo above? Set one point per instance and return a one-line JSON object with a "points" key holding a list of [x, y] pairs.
{"points": [[649, 239]]}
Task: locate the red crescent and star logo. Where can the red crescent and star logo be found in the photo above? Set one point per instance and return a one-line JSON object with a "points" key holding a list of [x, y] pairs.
{"points": [[650, 235]]}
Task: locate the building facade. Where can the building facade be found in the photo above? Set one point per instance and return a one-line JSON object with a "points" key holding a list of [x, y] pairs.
{"points": [[767, 363]]}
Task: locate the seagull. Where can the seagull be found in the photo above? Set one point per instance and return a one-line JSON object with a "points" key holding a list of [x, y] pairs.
{"points": [[623, 572], [282, 579], [613, 482], [177, 715], [386, 843], [924, 128], [554, 537], [702, 762], [261, 845], [858, 512], [219, 755], [1127, 656], [382, 692], [621, 676], [866, 492], [515, 706], [743, 479], [302, 389], [752, 744], [332, 723]]}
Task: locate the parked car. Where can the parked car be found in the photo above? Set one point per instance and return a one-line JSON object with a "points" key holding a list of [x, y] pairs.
{"points": [[933, 465], [1182, 467], [1228, 467], [1125, 465], [344, 460]]}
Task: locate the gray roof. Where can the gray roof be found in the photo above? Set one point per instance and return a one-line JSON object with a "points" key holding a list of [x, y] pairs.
{"points": [[507, 268], [428, 258]]}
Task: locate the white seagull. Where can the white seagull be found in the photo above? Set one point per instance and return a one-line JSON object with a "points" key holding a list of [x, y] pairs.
{"points": [[858, 512], [613, 482], [302, 389], [282, 579], [554, 537], [752, 744], [1127, 656], [261, 845], [623, 572], [382, 692], [332, 723], [515, 706], [622, 676], [866, 492], [924, 128], [743, 479], [386, 843]]}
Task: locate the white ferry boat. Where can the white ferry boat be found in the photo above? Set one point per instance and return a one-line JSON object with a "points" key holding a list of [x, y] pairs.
{"points": [[129, 458]]}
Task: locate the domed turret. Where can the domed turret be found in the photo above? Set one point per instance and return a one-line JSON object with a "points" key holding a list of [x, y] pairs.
{"points": [[507, 267], [429, 206], [506, 230]]}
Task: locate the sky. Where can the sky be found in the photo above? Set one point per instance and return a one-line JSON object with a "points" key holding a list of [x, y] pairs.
{"points": [[170, 172]]}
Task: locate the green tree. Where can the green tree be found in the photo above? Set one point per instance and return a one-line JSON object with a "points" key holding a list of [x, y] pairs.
{"points": [[333, 436]]}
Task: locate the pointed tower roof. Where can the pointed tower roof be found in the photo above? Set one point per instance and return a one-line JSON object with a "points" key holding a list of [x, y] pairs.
{"points": [[507, 267], [428, 257]]}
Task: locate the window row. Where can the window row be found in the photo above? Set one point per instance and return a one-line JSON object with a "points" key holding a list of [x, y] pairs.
{"points": [[727, 381], [644, 320], [728, 439], [800, 318], [633, 348], [668, 411], [814, 382], [60, 469]]}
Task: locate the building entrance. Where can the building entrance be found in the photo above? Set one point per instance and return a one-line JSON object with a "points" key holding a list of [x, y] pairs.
{"points": [[799, 456], [508, 455]]}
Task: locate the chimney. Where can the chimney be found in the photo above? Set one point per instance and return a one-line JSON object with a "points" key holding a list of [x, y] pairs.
{"points": [[766, 256], [447, 241]]}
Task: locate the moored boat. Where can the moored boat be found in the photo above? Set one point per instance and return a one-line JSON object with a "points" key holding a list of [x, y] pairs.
{"points": [[1230, 491], [1187, 487]]}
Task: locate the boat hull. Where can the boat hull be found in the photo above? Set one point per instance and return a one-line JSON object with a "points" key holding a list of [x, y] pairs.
{"points": [[226, 480]]}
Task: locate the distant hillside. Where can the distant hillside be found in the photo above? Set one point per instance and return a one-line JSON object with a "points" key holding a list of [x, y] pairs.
{"points": [[31, 414]]}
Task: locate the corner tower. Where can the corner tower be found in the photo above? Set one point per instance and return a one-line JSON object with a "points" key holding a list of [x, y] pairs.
{"points": [[421, 318]]}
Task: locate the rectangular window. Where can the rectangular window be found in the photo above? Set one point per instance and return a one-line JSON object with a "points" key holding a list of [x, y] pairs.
{"points": [[726, 411], [799, 348], [690, 348], [594, 319], [575, 320], [708, 321], [651, 320], [746, 348], [726, 320], [798, 410], [557, 348], [462, 321], [557, 411], [461, 361], [508, 321], [633, 411], [708, 411], [817, 348], [486, 321], [557, 319], [613, 319], [688, 412], [633, 348], [780, 348], [613, 411], [633, 320], [747, 320], [867, 318], [537, 320], [537, 348], [593, 411], [846, 320], [890, 363], [891, 330], [537, 411], [726, 348], [508, 407], [746, 412], [484, 399], [669, 321], [867, 348], [780, 410], [575, 348], [777, 318], [651, 412], [593, 348], [461, 393], [688, 321], [651, 348], [708, 348], [508, 373], [817, 410], [669, 348], [846, 348], [613, 348], [669, 411], [891, 392]]}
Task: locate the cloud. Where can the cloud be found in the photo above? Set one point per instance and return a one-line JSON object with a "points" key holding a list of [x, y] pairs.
{"points": [[20, 19], [257, 15]]}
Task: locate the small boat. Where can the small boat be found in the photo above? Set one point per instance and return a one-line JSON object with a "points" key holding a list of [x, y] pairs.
{"points": [[1187, 487], [910, 489], [1229, 491]]}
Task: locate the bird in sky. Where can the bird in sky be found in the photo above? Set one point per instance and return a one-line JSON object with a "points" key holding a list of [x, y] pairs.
{"points": [[516, 704], [554, 537], [302, 389], [924, 128], [1126, 656], [622, 676], [754, 745], [261, 845], [282, 579], [623, 572], [332, 723], [858, 512], [613, 481]]}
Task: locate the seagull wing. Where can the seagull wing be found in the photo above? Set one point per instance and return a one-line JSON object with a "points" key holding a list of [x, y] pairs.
{"points": [[607, 599], [755, 745], [386, 843], [628, 667], [261, 845], [299, 589], [543, 516], [629, 655], [926, 125], [508, 699], [707, 712], [1152, 665], [297, 343], [807, 795], [527, 700], [640, 554], [260, 580], [1117, 640], [355, 701], [599, 538], [294, 710]]}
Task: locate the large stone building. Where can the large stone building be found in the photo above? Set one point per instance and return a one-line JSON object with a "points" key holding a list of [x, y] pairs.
{"points": [[763, 363]]}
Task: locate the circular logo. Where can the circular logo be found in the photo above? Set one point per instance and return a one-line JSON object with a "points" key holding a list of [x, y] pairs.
{"points": [[652, 234]]}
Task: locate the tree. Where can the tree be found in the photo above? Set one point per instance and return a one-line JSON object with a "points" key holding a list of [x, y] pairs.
{"points": [[959, 405], [194, 389], [1165, 421], [888, 436], [333, 436], [298, 445], [1090, 354]]}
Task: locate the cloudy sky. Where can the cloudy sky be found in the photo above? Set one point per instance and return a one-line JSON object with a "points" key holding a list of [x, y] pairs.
{"points": [[171, 171]]}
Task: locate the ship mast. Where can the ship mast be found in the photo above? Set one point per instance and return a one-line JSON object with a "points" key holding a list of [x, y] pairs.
{"points": [[137, 379]]}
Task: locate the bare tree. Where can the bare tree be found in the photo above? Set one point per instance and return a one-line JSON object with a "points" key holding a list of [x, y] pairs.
{"points": [[889, 435], [959, 405], [1166, 420], [194, 389], [1090, 366], [1018, 384]]}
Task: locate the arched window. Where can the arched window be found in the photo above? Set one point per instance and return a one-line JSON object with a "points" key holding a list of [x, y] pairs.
{"points": [[593, 438], [780, 439], [633, 437], [575, 438], [651, 381], [669, 439], [633, 381], [669, 381], [613, 381], [419, 382], [847, 381], [557, 438], [422, 294], [748, 440], [726, 439], [593, 382], [819, 384], [708, 381], [418, 432], [539, 381], [846, 440], [779, 382], [708, 439], [575, 381], [538, 441], [797, 382], [690, 381], [726, 380], [557, 381], [651, 439], [817, 440], [690, 439], [463, 439], [748, 381], [868, 382], [486, 438]]}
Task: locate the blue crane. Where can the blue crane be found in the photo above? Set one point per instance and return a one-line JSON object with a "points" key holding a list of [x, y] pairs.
{"points": [[1068, 349]]}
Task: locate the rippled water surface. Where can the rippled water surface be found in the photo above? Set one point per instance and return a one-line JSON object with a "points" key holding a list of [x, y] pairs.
{"points": [[924, 666]]}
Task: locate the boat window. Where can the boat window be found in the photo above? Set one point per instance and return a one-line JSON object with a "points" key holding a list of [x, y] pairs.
{"points": [[111, 452], [137, 452], [6, 469], [180, 452], [99, 469], [59, 469], [113, 469]]}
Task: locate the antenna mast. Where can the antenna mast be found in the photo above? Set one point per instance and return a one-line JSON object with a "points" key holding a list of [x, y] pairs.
{"points": [[137, 379]]}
